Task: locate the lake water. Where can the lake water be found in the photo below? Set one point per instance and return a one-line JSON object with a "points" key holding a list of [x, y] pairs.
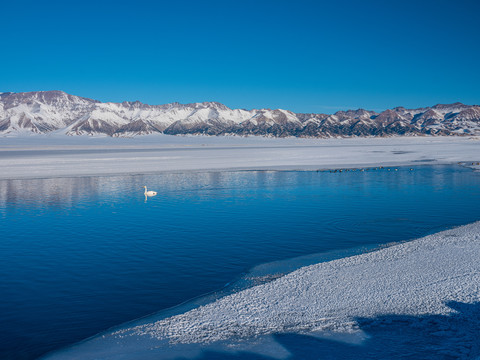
{"points": [[79, 255]]}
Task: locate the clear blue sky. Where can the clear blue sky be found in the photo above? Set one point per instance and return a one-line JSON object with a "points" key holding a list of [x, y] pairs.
{"points": [[306, 56]]}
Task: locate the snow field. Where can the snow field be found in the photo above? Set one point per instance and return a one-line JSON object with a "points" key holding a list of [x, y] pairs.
{"points": [[40, 156]]}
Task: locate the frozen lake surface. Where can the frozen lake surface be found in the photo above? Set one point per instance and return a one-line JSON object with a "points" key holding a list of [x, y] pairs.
{"points": [[80, 255], [65, 156]]}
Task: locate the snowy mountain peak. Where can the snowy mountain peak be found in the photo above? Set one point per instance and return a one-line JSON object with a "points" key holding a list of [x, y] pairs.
{"points": [[57, 111]]}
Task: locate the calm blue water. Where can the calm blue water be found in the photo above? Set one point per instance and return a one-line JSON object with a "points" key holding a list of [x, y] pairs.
{"points": [[80, 255]]}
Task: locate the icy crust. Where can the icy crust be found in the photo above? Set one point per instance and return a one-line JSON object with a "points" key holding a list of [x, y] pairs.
{"points": [[37, 156], [415, 278], [420, 298]]}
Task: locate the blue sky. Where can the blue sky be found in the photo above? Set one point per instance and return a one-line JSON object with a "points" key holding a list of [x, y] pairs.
{"points": [[305, 56]]}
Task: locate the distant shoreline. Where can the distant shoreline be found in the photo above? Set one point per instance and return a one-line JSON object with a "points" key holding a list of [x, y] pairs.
{"points": [[49, 157]]}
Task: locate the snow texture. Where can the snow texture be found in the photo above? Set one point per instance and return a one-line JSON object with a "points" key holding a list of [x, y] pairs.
{"points": [[414, 278], [410, 280], [43, 156]]}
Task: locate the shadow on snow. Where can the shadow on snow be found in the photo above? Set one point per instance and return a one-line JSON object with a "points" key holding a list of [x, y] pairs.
{"points": [[456, 336]]}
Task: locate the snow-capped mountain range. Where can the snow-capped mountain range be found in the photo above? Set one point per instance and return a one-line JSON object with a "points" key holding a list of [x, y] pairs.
{"points": [[58, 112]]}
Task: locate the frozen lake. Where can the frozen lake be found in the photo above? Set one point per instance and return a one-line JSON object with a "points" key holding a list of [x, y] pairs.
{"points": [[80, 255]]}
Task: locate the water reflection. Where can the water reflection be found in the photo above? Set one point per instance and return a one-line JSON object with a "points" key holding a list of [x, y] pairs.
{"points": [[65, 193], [92, 253]]}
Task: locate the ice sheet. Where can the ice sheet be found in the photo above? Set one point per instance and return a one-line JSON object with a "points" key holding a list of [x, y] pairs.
{"points": [[42, 156], [422, 282]]}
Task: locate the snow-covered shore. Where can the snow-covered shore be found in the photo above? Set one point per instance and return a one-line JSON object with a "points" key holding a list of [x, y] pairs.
{"points": [[413, 278], [424, 277], [61, 156]]}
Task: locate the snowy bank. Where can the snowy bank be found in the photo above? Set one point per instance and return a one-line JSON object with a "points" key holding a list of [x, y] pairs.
{"points": [[408, 280], [43, 156]]}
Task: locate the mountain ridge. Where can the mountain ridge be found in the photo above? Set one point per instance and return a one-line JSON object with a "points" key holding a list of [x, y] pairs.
{"points": [[59, 112]]}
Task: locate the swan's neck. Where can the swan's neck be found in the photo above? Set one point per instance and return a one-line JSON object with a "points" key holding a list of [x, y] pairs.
{"points": [[145, 190]]}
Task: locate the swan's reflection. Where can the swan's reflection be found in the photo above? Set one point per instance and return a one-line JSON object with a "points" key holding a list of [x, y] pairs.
{"points": [[65, 193]]}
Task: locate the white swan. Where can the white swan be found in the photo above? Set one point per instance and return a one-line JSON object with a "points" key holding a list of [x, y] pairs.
{"points": [[149, 193]]}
